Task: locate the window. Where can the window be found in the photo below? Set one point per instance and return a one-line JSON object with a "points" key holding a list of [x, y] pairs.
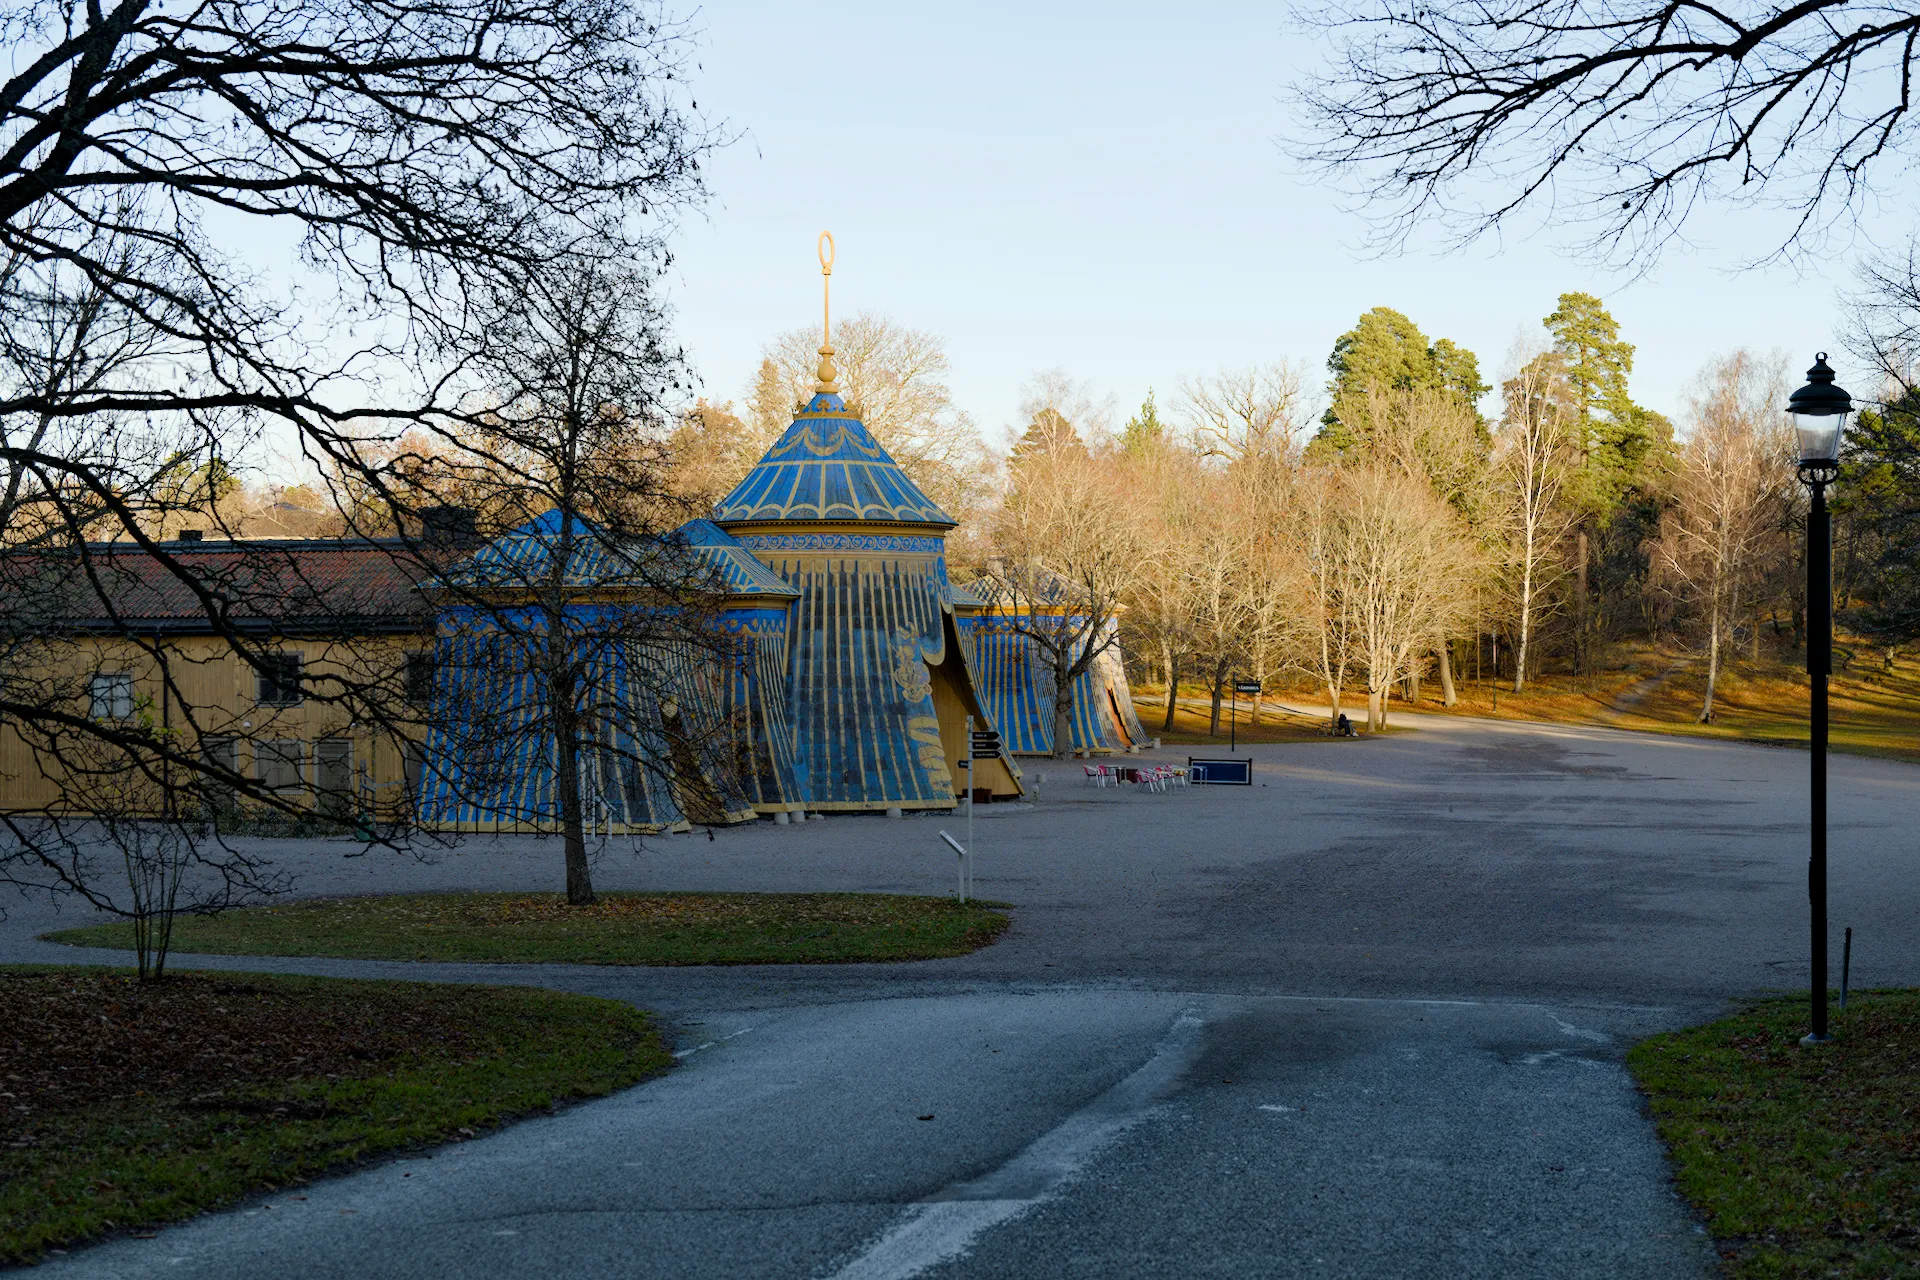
{"points": [[110, 695], [420, 678], [280, 762], [280, 680], [220, 753], [333, 776]]}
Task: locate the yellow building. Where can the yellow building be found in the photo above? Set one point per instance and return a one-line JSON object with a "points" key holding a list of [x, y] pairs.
{"points": [[305, 695]]}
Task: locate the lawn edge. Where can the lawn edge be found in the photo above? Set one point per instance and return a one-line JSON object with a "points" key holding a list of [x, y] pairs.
{"points": [[380, 1155]]}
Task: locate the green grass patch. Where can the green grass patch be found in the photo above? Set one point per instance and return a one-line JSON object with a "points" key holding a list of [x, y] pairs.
{"points": [[621, 928], [128, 1105], [1803, 1161]]}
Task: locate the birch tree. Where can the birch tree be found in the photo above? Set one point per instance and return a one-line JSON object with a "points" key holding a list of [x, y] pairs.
{"points": [[1534, 451], [1314, 538], [1734, 480]]}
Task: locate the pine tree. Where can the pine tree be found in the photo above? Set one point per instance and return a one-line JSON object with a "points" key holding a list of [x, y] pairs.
{"points": [[1386, 350], [1144, 431], [1615, 441]]}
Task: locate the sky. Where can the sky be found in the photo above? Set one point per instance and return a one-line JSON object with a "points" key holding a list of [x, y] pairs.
{"points": [[1100, 189]]}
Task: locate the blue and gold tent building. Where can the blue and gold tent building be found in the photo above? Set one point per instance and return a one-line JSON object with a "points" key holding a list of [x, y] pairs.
{"points": [[880, 685], [846, 682]]}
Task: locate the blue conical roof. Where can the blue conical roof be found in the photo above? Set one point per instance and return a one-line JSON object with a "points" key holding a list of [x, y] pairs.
{"points": [[827, 468]]}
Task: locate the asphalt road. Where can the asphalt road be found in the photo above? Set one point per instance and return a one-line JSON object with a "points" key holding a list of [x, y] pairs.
{"points": [[1365, 1018]]}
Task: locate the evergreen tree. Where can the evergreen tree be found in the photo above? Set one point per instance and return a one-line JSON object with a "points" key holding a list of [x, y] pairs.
{"points": [[1144, 431], [1387, 350], [1617, 446], [1050, 431], [1877, 503], [1458, 370], [1615, 436]]}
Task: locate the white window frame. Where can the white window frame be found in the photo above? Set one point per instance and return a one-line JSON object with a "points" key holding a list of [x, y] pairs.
{"points": [[289, 657], [272, 753], [110, 695]]}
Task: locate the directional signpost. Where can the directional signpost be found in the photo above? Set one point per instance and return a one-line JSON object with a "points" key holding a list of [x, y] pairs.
{"points": [[1252, 689], [982, 744]]}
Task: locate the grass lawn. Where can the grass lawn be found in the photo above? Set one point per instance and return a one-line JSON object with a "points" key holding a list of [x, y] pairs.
{"points": [[128, 1105], [1875, 706], [622, 928], [1192, 719], [1803, 1162]]}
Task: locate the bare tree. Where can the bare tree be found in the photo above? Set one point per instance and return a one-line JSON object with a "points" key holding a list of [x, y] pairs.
{"points": [[1245, 414], [427, 158], [1068, 554], [1400, 550], [1624, 115], [1215, 579], [1167, 491], [1435, 435], [588, 627], [1314, 534], [1271, 587], [1535, 452], [1734, 482]]}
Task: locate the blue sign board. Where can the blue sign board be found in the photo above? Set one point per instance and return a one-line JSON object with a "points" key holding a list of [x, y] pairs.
{"points": [[1232, 773]]}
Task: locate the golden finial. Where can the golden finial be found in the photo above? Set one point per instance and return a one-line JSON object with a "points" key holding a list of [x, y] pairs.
{"points": [[827, 374]]}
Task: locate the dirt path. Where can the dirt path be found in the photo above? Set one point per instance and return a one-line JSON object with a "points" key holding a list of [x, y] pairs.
{"points": [[1636, 694]]}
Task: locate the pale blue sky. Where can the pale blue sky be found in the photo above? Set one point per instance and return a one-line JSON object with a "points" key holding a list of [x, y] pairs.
{"points": [[1097, 187]]}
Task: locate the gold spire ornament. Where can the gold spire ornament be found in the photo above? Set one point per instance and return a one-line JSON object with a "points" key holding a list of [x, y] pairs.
{"points": [[828, 384]]}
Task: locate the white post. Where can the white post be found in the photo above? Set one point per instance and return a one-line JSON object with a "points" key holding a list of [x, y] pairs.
{"points": [[961, 855]]}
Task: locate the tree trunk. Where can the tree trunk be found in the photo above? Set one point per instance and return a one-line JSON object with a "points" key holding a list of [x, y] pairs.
{"points": [[1526, 616], [1171, 666], [1062, 706], [1376, 711], [1219, 687], [1713, 663], [1333, 707], [1259, 678], [566, 779], [1447, 695], [1413, 684], [1582, 640]]}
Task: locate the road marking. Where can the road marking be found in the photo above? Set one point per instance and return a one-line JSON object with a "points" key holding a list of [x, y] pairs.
{"points": [[946, 1224], [1579, 1033], [688, 1053]]}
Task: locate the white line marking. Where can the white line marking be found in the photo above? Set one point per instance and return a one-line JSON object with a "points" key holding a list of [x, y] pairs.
{"points": [[1579, 1033], [945, 1224], [688, 1053]]}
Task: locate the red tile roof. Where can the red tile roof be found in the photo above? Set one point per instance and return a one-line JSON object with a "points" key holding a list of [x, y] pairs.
{"points": [[328, 585]]}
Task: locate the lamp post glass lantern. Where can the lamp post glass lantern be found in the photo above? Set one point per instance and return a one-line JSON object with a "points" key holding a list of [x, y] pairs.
{"points": [[1819, 411]]}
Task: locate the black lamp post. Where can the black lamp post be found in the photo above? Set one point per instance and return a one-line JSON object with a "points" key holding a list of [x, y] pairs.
{"points": [[1820, 411]]}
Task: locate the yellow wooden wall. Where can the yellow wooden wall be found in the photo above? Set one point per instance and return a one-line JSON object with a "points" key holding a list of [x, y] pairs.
{"points": [[214, 694], [952, 706]]}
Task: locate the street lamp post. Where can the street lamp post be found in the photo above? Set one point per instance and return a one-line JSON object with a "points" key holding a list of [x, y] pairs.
{"points": [[1819, 411]]}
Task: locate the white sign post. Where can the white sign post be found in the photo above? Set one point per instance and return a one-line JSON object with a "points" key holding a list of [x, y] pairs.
{"points": [[961, 853]]}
